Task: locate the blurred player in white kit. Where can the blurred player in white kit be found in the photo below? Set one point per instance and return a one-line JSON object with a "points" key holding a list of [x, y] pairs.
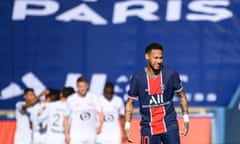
{"points": [[40, 128], [54, 116], [113, 110], [85, 119], [23, 133]]}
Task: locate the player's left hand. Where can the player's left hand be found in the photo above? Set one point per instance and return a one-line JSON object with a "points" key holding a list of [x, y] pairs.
{"points": [[124, 138], [185, 129], [128, 135]]}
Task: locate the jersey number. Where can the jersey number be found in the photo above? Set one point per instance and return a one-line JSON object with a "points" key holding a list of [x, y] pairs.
{"points": [[56, 119]]}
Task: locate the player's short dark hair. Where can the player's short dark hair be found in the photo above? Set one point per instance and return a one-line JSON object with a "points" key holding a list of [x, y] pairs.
{"points": [[67, 91], [26, 90], [109, 84], [153, 46], [82, 79], [54, 94]]}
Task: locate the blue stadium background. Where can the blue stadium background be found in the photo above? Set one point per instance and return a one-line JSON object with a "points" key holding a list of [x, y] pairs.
{"points": [[201, 42]]}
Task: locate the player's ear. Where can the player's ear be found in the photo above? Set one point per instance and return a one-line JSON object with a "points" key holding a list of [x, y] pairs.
{"points": [[147, 56]]}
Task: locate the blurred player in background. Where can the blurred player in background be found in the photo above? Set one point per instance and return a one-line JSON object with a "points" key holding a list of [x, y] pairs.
{"points": [[154, 87], [54, 116], [113, 110], [85, 119], [40, 128], [23, 133]]}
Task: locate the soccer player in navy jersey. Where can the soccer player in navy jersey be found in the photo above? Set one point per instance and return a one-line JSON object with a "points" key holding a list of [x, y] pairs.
{"points": [[154, 87]]}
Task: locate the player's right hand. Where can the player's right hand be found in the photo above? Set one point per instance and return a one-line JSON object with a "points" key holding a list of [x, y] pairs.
{"points": [[128, 135], [44, 93]]}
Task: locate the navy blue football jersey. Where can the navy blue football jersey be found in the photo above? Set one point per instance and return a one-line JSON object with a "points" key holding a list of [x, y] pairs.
{"points": [[155, 95]]}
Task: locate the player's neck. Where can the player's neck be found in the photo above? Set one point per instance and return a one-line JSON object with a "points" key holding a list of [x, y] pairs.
{"points": [[82, 95], [108, 98], [152, 72]]}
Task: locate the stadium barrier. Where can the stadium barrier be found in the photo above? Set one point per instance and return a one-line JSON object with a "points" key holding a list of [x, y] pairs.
{"points": [[200, 130]]}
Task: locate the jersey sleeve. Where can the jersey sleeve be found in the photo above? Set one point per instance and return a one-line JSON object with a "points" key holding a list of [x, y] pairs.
{"points": [[19, 106], [133, 90], [18, 109], [177, 84], [67, 111]]}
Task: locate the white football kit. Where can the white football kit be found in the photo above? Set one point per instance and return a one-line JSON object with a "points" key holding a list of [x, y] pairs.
{"points": [[83, 118], [23, 133], [111, 131], [39, 129], [54, 116]]}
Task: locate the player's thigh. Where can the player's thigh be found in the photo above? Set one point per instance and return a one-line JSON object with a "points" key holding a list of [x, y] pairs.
{"points": [[171, 137], [37, 138]]}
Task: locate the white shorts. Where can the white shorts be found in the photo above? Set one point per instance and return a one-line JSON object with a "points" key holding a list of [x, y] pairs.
{"points": [[39, 138], [55, 138], [22, 141], [82, 139], [109, 136], [23, 137], [109, 140]]}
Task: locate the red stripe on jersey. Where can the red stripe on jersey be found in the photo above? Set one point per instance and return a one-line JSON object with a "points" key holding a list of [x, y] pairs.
{"points": [[157, 123], [154, 85], [157, 113]]}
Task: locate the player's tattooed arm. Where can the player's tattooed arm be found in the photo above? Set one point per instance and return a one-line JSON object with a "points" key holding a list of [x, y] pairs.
{"points": [[129, 110], [183, 102], [184, 108], [128, 118]]}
